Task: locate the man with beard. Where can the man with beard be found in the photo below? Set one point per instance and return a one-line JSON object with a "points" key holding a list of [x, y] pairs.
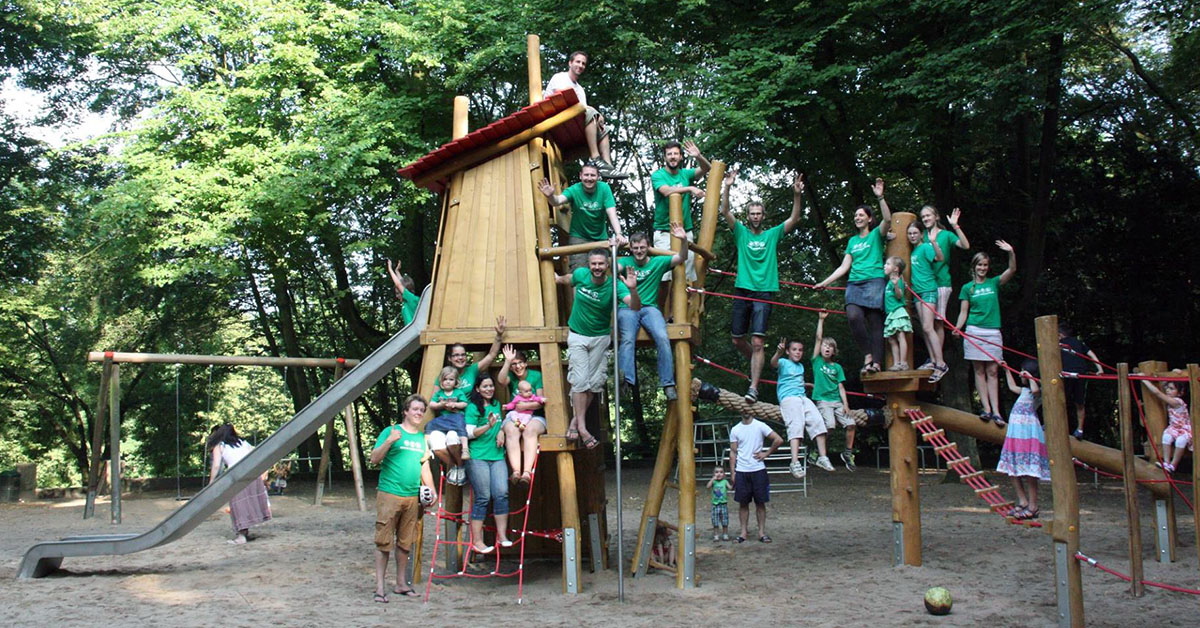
{"points": [[672, 179], [594, 128], [591, 201], [590, 334], [649, 271], [757, 275]]}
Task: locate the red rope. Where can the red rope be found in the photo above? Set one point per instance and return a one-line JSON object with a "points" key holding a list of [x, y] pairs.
{"points": [[1110, 377], [1088, 467], [791, 305], [788, 283], [1080, 556], [969, 337], [742, 375]]}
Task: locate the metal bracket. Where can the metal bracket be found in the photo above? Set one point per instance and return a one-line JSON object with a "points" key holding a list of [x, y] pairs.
{"points": [[1060, 584], [1160, 529], [594, 536], [571, 560], [647, 542], [897, 543], [689, 556]]}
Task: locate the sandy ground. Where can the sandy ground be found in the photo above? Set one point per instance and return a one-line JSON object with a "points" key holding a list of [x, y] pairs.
{"points": [[829, 566]]}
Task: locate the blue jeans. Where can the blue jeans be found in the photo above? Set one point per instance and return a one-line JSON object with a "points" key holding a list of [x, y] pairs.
{"points": [[652, 319], [489, 481]]}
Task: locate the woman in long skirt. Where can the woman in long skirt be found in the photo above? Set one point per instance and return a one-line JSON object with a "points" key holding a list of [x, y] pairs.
{"points": [[250, 506]]}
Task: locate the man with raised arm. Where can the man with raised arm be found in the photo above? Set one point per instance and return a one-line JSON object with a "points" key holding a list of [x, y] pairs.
{"points": [[594, 128], [590, 334], [649, 270], [758, 273], [673, 179], [592, 205]]}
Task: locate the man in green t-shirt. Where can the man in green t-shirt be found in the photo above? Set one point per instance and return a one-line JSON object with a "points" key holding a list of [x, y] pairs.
{"points": [[649, 271], [591, 201], [405, 469], [459, 357], [758, 273], [590, 329], [406, 290], [673, 179]]}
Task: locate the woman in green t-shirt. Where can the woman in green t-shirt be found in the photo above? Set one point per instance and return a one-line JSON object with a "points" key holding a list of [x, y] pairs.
{"points": [[980, 313], [486, 469], [521, 441], [864, 288]]}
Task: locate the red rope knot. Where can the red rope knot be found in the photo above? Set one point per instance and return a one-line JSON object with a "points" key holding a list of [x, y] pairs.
{"points": [[341, 360]]}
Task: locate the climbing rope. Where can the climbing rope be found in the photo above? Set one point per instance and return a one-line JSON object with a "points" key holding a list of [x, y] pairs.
{"points": [[1081, 557]]}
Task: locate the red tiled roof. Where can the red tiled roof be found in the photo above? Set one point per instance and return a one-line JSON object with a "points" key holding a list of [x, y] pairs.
{"points": [[566, 135]]}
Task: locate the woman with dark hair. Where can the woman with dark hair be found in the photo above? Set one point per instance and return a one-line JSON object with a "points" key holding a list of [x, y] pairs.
{"points": [[250, 506], [864, 288], [486, 468]]}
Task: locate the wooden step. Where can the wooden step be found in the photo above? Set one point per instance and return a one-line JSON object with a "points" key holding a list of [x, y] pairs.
{"points": [[972, 475], [950, 464], [987, 489], [1001, 506], [928, 436], [947, 447]]}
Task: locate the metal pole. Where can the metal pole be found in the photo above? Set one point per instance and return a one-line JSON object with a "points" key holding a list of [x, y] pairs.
{"points": [[178, 484], [617, 430]]}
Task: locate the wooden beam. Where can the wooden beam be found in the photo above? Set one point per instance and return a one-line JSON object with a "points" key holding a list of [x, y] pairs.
{"points": [[533, 56], [459, 124], [658, 480], [898, 381], [1129, 478], [355, 455], [709, 219], [476, 336], [98, 420], [570, 514], [485, 153], [1193, 371], [906, 496], [1065, 527], [219, 360], [899, 246], [114, 444]]}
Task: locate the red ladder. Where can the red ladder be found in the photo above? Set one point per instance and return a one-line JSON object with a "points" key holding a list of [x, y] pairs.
{"points": [[986, 491]]}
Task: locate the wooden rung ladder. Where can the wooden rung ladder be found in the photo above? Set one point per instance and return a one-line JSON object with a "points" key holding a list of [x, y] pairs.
{"points": [[928, 436], [987, 489], [946, 448]]}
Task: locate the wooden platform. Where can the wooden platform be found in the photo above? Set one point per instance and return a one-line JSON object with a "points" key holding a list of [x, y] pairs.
{"points": [[898, 381]]}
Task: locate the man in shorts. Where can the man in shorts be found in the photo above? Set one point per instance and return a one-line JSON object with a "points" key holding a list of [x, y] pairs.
{"points": [[750, 481], [673, 179], [405, 458], [591, 204], [757, 275], [1074, 351], [590, 334], [594, 128]]}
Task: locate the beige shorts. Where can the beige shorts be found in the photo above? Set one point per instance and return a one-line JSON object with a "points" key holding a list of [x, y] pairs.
{"points": [[800, 413], [834, 414], [395, 521], [588, 367], [662, 240], [589, 114], [944, 293]]}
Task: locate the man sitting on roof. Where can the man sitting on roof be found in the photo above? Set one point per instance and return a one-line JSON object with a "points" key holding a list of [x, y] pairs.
{"points": [[594, 127]]}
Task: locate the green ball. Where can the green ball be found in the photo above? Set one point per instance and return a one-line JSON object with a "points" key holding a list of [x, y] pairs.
{"points": [[938, 601]]}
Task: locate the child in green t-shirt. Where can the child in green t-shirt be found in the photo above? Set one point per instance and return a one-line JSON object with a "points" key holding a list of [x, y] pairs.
{"points": [[447, 431], [897, 324], [720, 504], [829, 392]]}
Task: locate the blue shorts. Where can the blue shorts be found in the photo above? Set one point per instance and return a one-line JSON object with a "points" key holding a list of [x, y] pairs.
{"points": [[720, 515], [448, 422], [754, 485], [751, 315]]}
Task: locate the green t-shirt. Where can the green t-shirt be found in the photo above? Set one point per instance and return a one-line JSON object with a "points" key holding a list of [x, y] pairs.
{"points": [[483, 447], [758, 261], [458, 394], [466, 379], [400, 473], [720, 492], [946, 240], [890, 302], [589, 218], [867, 255], [649, 276], [662, 204], [922, 260], [408, 306], [984, 300], [591, 314], [826, 377], [533, 377]]}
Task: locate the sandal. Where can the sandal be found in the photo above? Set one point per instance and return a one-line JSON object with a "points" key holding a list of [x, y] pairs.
{"points": [[939, 371], [406, 593], [764, 539], [741, 539], [1029, 514], [381, 598], [526, 478], [590, 442], [572, 434]]}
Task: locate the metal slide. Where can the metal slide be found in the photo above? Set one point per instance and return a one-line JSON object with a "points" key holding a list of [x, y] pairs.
{"points": [[44, 558]]}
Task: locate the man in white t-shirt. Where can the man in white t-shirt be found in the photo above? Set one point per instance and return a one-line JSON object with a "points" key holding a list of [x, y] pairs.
{"points": [[594, 128], [750, 481]]}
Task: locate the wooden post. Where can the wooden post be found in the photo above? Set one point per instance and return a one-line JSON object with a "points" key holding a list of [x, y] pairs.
{"points": [[899, 246], [906, 496], [459, 126], [1193, 371], [1129, 477], [1156, 421], [98, 419], [355, 455], [658, 481], [541, 213], [709, 218], [533, 56], [114, 443], [684, 578], [326, 446], [1065, 527]]}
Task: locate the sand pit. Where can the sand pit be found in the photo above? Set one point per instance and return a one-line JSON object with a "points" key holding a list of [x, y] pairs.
{"points": [[829, 566]]}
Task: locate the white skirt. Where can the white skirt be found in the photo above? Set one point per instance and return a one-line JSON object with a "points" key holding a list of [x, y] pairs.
{"points": [[983, 340]]}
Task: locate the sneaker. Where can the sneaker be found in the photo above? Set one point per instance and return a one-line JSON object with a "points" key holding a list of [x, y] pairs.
{"points": [[669, 391], [812, 457], [1168, 467], [716, 537], [1078, 434], [751, 395], [456, 476], [724, 537], [607, 171], [848, 459], [824, 463], [797, 470]]}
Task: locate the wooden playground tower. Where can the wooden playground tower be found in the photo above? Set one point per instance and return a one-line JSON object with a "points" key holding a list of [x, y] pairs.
{"points": [[495, 256]]}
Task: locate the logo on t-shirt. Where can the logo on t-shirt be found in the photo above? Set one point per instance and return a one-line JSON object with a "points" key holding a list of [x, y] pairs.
{"points": [[591, 294], [859, 247], [756, 245], [829, 370], [982, 291]]}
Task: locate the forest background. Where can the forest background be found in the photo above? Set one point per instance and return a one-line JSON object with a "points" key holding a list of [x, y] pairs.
{"points": [[246, 198]]}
